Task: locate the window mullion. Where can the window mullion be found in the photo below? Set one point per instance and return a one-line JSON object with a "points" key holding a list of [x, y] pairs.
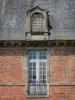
{"points": [[37, 71], [37, 66]]}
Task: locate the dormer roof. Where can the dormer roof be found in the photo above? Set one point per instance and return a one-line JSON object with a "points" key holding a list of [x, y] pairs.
{"points": [[37, 7]]}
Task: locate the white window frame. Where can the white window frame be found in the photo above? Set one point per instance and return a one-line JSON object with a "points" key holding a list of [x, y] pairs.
{"points": [[38, 65]]}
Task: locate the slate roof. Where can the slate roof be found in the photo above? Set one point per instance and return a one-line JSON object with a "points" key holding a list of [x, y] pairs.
{"points": [[13, 18]]}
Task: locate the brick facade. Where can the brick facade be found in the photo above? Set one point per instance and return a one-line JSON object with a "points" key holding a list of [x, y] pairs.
{"points": [[62, 64], [13, 74]]}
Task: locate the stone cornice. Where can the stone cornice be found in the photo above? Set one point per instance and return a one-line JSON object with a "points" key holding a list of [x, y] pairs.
{"points": [[28, 43]]}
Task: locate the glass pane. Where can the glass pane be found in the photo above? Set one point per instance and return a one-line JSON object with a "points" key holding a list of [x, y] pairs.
{"points": [[30, 68], [34, 68], [44, 68], [44, 76], [40, 63], [34, 57], [30, 53], [44, 53], [34, 72], [34, 64], [30, 64], [40, 53], [40, 57], [30, 80], [34, 76], [44, 81], [30, 76], [41, 68], [44, 64], [41, 76], [44, 57], [34, 53], [41, 72], [41, 80], [44, 72], [30, 57], [30, 72]]}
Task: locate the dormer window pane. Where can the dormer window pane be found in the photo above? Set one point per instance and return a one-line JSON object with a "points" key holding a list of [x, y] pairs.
{"points": [[37, 22]]}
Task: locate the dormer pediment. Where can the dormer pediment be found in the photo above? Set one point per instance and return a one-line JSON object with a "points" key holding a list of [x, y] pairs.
{"points": [[37, 9]]}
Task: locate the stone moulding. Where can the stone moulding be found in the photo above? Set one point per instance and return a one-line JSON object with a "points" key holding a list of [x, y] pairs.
{"points": [[62, 84], [50, 84], [12, 84], [36, 43]]}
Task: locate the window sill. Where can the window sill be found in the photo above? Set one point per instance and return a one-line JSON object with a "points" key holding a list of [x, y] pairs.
{"points": [[37, 96]]}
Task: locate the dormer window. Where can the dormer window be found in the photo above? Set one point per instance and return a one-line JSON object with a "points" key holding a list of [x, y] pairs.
{"points": [[37, 22]]}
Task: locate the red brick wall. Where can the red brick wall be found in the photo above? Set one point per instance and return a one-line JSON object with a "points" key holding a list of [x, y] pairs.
{"points": [[11, 66], [12, 93], [62, 63], [62, 93], [62, 69], [56, 93]]}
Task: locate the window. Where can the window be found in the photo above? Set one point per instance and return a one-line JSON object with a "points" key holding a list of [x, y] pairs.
{"points": [[37, 22], [37, 61]]}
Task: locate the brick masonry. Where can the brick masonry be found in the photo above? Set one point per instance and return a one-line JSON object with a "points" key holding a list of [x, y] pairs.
{"points": [[13, 69], [62, 64], [11, 66]]}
